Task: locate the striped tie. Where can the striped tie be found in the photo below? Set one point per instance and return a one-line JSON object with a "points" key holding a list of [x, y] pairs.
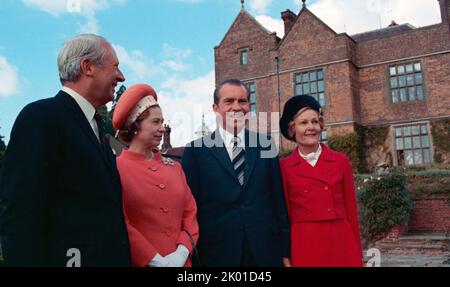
{"points": [[238, 160]]}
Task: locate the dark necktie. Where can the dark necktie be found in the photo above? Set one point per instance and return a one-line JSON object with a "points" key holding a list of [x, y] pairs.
{"points": [[101, 132], [238, 160]]}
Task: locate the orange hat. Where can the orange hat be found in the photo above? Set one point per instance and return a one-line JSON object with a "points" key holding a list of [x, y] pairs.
{"points": [[134, 101]]}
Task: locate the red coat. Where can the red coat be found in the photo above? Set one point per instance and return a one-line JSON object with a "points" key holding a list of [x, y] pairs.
{"points": [[322, 209], [158, 206]]}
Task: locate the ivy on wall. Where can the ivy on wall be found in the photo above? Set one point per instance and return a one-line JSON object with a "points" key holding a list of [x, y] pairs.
{"points": [[440, 131], [357, 145], [376, 136], [352, 144]]}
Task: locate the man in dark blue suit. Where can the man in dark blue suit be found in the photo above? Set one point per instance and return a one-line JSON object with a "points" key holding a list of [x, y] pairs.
{"points": [[60, 189], [237, 185]]}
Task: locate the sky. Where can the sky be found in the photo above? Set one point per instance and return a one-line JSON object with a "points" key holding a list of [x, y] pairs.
{"points": [[168, 44]]}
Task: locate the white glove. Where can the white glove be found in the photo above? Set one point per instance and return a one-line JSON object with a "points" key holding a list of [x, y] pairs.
{"points": [[178, 257], [158, 261]]}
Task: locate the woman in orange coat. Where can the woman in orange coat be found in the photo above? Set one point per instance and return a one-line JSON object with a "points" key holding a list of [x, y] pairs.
{"points": [[320, 193], [159, 207]]}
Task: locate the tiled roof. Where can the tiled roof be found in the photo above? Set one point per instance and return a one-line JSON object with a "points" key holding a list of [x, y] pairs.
{"points": [[381, 33]]}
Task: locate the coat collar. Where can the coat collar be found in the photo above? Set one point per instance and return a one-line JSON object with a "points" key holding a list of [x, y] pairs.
{"points": [[327, 155], [85, 126], [323, 170]]}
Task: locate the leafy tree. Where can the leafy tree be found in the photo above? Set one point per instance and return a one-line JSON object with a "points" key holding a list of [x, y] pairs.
{"points": [[2, 150], [107, 115], [2, 144]]}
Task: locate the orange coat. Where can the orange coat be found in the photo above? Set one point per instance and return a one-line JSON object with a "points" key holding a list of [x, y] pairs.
{"points": [[158, 206], [322, 209]]}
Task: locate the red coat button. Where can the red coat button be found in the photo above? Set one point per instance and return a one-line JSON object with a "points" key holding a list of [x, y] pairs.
{"points": [[326, 188], [329, 209], [162, 186], [154, 168], [305, 191]]}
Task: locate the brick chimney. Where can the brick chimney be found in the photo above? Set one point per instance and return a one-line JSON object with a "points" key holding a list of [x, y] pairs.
{"points": [[393, 23], [288, 18], [445, 10]]}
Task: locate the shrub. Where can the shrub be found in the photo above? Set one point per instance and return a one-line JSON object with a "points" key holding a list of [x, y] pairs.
{"points": [[284, 153], [429, 182], [386, 202], [353, 145]]}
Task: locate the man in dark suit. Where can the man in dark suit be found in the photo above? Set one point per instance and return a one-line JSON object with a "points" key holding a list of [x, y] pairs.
{"points": [[59, 186], [238, 189]]}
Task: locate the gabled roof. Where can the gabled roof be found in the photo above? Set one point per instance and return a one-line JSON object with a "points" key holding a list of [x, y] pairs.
{"points": [[244, 13], [303, 10], [381, 33]]}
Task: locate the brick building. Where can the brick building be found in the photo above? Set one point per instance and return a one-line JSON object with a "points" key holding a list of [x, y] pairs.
{"points": [[390, 87]]}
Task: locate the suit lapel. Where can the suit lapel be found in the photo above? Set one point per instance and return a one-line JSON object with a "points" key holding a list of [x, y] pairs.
{"points": [[220, 153], [326, 165], [83, 123]]}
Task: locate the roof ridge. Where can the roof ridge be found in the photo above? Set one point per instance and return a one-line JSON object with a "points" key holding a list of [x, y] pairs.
{"points": [[385, 28]]}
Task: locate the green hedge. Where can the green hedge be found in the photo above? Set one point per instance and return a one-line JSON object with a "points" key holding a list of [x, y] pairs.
{"points": [[429, 182]]}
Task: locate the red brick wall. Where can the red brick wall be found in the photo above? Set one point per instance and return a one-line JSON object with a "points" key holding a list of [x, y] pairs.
{"points": [[445, 10], [244, 32], [311, 42], [339, 93], [355, 91], [408, 44], [431, 214], [376, 106]]}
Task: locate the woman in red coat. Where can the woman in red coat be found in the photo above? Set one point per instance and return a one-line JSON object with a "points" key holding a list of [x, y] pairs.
{"points": [[159, 208], [320, 193]]}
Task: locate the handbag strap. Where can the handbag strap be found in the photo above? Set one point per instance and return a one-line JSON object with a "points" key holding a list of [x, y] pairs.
{"points": [[194, 248]]}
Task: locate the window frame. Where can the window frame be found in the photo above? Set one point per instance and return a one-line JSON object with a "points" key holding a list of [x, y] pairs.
{"points": [[244, 51], [409, 145], [403, 91], [323, 139], [252, 104], [319, 93]]}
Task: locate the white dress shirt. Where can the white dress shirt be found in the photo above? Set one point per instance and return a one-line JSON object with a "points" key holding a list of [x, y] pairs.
{"points": [[87, 108], [228, 140], [313, 157]]}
